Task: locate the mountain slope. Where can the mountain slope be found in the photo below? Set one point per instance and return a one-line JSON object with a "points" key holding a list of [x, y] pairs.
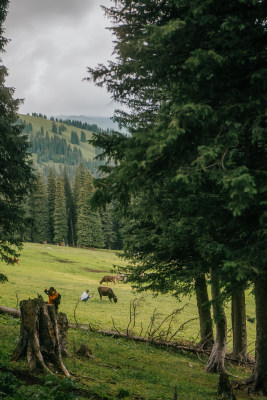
{"points": [[57, 145]]}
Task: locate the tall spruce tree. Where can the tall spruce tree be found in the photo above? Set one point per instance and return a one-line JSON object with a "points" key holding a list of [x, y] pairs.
{"points": [[60, 214], [107, 221], [89, 227], [77, 183], [192, 75], [15, 165], [51, 188], [69, 208], [39, 210]]}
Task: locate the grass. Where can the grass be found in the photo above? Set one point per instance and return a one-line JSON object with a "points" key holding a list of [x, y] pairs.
{"points": [[121, 368]]}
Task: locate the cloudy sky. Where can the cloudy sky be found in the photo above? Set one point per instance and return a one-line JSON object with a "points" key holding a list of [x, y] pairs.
{"points": [[52, 43]]}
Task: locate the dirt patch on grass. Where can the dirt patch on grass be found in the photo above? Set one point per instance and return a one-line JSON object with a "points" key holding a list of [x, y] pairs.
{"points": [[61, 260], [93, 270], [65, 261]]}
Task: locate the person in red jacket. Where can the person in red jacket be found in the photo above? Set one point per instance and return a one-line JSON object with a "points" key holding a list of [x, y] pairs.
{"points": [[52, 296]]}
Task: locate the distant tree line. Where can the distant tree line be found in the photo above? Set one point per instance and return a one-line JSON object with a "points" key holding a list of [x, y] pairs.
{"points": [[38, 115], [82, 125], [58, 211]]}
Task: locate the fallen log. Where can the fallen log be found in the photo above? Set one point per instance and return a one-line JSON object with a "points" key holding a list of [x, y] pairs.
{"points": [[177, 346], [10, 311], [174, 345]]}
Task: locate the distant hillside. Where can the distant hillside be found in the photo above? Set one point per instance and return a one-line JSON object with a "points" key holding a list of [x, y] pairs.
{"points": [[57, 145], [103, 122]]}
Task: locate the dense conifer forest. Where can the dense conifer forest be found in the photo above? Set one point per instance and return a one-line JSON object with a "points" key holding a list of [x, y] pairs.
{"points": [[58, 211], [58, 208]]}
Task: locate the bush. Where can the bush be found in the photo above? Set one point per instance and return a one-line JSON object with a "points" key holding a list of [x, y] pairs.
{"points": [[8, 385], [53, 389]]}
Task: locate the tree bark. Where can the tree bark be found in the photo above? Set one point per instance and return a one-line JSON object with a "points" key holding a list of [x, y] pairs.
{"points": [[205, 320], [239, 326], [217, 356], [40, 339], [63, 326], [258, 379]]}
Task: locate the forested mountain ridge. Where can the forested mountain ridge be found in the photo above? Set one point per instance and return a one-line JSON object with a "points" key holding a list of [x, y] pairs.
{"points": [[59, 145], [104, 123]]}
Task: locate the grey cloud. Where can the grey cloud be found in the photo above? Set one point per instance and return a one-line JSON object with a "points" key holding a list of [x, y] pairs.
{"points": [[51, 9], [52, 44]]}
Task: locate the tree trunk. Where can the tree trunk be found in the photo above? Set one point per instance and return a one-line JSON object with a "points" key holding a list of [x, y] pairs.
{"points": [[258, 379], [239, 326], [40, 340], [63, 325], [225, 389], [217, 357], [205, 320]]}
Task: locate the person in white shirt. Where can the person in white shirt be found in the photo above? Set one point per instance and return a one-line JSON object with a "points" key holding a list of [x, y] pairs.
{"points": [[85, 296]]}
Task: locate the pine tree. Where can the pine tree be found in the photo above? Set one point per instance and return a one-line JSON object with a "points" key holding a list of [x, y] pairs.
{"points": [[74, 138], [83, 136], [60, 214], [77, 183], [54, 127], [51, 188], [111, 227], [39, 211], [69, 209], [107, 227], [89, 227], [15, 165]]}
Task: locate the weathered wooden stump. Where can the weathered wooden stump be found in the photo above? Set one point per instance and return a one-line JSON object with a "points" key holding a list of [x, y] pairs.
{"points": [[84, 351], [43, 335]]}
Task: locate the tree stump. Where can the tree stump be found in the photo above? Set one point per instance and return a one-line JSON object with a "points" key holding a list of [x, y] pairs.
{"points": [[84, 351], [43, 335]]}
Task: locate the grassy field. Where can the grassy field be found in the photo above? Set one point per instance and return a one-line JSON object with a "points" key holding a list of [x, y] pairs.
{"points": [[121, 368]]}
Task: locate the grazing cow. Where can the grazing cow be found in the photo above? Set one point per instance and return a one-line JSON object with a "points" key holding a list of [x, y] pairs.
{"points": [[13, 260], [106, 291], [109, 278]]}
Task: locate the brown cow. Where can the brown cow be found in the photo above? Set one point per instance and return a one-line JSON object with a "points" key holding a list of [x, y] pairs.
{"points": [[13, 260], [106, 291], [109, 278]]}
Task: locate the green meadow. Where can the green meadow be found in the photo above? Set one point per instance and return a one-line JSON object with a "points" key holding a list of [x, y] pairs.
{"points": [[121, 368]]}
